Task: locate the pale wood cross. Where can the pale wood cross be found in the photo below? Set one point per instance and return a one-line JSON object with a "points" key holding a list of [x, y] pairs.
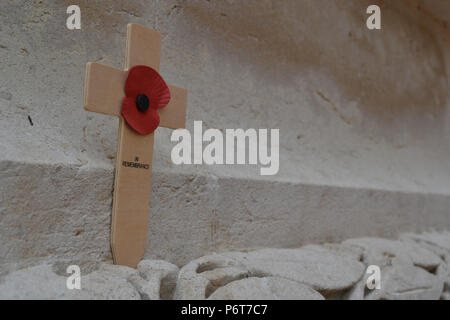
{"points": [[104, 93]]}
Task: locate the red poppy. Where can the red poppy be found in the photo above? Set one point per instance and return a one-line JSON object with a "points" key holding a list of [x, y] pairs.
{"points": [[146, 92]]}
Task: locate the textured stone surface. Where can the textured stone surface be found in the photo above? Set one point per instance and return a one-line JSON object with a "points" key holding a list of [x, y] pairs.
{"points": [[69, 221], [269, 288], [318, 267], [155, 280], [383, 251], [42, 283], [199, 278], [409, 270], [406, 282], [363, 116], [440, 244], [322, 269]]}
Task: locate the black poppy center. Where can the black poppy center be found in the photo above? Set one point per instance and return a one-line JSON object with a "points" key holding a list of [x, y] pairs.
{"points": [[142, 102]]}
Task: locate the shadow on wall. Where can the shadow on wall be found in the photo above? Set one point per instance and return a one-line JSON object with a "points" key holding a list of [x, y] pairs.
{"points": [[396, 76]]}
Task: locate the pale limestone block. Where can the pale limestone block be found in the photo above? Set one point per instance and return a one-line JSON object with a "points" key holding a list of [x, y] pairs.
{"points": [[267, 288], [155, 280], [42, 282]]}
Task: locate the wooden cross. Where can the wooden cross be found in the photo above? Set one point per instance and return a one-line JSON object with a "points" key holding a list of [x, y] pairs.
{"points": [[104, 93]]}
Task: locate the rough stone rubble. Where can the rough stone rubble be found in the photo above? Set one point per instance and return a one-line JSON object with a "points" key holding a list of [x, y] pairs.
{"points": [[412, 267]]}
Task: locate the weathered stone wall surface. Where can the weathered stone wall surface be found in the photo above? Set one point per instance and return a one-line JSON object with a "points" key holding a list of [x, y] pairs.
{"points": [[363, 116]]}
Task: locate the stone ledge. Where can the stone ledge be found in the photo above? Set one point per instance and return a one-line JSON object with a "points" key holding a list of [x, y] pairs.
{"points": [[54, 212]]}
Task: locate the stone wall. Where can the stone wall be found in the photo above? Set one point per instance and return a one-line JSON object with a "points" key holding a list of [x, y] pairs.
{"points": [[363, 117]]}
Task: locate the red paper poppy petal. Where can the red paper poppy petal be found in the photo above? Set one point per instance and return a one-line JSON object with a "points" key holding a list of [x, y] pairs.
{"points": [[142, 122], [159, 96], [138, 80], [143, 79]]}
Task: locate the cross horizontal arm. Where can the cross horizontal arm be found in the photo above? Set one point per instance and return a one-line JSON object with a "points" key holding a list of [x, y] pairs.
{"points": [[174, 114], [104, 93], [104, 89]]}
